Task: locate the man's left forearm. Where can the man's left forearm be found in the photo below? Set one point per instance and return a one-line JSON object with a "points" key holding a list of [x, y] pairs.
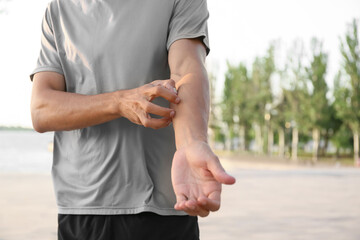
{"points": [[196, 172], [192, 113]]}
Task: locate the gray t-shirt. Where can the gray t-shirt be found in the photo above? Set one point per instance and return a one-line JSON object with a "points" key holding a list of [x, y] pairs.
{"points": [[101, 46]]}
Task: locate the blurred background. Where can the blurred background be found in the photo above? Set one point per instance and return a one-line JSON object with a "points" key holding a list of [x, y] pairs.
{"points": [[285, 111]]}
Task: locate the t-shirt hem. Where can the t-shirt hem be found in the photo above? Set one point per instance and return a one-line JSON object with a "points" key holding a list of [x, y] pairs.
{"points": [[193, 35], [44, 69], [118, 211]]}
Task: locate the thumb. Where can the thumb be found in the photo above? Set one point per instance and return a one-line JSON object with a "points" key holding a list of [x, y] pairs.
{"points": [[219, 172]]}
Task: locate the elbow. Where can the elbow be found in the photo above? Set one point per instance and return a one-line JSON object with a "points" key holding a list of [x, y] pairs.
{"points": [[38, 125], [38, 128], [38, 120]]}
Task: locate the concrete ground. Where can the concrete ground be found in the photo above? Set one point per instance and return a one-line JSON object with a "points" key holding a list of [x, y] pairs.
{"points": [[288, 203], [268, 202]]}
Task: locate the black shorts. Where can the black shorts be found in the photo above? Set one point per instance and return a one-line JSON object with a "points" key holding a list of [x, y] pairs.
{"points": [[144, 226]]}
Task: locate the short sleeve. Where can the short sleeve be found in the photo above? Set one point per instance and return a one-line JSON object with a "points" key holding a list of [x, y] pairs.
{"points": [[48, 60], [189, 20]]}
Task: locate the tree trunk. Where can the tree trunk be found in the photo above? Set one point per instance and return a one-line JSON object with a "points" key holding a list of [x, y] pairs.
{"points": [[227, 138], [356, 148], [294, 145], [231, 134], [242, 136], [337, 154], [326, 144], [281, 142], [270, 141], [258, 139], [316, 139]]}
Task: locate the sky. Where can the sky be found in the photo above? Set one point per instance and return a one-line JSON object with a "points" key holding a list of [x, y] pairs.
{"points": [[239, 30]]}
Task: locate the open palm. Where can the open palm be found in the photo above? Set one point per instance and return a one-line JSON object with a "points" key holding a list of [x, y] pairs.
{"points": [[197, 176]]}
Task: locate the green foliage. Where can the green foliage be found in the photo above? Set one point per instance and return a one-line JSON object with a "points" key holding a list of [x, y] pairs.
{"points": [[219, 135], [347, 91], [317, 104], [342, 103], [246, 96], [342, 138], [261, 94], [294, 88], [303, 102], [278, 117], [235, 107], [229, 96], [229, 99], [333, 125]]}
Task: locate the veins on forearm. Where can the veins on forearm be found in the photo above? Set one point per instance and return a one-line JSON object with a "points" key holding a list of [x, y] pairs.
{"points": [[190, 122]]}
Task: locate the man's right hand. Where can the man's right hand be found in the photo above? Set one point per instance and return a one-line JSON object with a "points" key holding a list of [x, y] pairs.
{"points": [[54, 109], [135, 104]]}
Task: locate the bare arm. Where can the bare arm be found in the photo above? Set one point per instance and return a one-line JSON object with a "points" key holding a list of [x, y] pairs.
{"points": [[196, 172], [54, 109], [186, 60]]}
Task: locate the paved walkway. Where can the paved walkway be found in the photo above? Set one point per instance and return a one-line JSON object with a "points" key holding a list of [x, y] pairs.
{"points": [[268, 202], [288, 204]]}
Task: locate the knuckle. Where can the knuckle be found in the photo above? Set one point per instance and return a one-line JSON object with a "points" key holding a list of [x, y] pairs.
{"points": [[143, 89], [155, 82], [138, 121], [205, 214], [172, 82], [174, 97], [158, 89], [146, 106], [146, 123], [168, 112], [144, 93]]}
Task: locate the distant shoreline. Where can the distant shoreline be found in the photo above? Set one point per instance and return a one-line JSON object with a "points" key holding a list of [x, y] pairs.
{"points": [[15, 128]]}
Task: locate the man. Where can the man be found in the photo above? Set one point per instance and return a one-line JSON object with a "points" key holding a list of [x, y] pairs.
{"points": [[121, 170]]}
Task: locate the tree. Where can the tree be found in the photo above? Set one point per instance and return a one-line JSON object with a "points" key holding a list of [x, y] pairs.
{"points": [[243, 110], [229, 103], [237, 107], [261, 94], [294, 91], [278, 120], [348, 94], [318, 108], [331, 128], [342, 139]]}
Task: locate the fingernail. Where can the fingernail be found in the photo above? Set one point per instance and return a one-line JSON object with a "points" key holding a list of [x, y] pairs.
{"points": [[174, 89], [172, 114], [177, 100]]}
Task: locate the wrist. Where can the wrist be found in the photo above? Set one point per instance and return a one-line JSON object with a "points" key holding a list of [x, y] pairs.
{"points": [[117, 98], [191, 140]]}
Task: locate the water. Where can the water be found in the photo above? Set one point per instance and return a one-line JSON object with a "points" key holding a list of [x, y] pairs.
{"points": [[25, 152]]}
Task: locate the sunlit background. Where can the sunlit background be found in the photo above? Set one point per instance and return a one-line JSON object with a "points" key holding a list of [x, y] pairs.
{"points": [[238, 30], [284, 120]]}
